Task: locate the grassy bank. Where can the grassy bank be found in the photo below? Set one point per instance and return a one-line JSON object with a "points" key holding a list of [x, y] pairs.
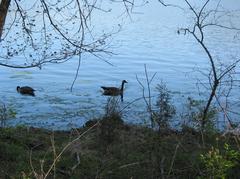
{"points": [[112, 149]]}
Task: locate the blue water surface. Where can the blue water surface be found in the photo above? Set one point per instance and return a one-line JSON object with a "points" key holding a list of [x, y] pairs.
{"points": [[148, 38]]}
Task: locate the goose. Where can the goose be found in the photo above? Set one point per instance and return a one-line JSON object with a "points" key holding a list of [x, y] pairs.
{"points": [[114, 91], [25, 90]]}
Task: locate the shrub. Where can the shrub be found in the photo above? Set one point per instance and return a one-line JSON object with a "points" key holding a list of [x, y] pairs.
{"points": [[6, 113], [111, 121], [194, 114], [219, 163], [165, 110]]}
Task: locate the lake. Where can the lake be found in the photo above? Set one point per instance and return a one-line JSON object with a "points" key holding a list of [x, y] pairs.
{"points": [[150, 37]]}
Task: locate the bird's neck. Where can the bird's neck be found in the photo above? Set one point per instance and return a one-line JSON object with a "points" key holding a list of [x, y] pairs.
{"points": [[122, 86]]}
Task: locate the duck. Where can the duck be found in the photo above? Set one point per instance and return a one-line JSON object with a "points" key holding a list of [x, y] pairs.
{"points": [[25, 90], [114, 91]]}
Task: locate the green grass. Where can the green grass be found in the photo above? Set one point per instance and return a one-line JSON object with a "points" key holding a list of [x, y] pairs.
{"points": [[110, 150]]}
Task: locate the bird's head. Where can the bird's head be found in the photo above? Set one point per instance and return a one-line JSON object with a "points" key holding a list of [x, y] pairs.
{"points": [[18, 88]]}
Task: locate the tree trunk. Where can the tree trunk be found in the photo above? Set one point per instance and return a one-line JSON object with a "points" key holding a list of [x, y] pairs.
{"points": [[206, 109], [3, 14]]}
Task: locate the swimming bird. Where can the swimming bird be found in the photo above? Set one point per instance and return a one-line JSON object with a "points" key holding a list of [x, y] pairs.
{"points": [[114, 91], [25, 90]]}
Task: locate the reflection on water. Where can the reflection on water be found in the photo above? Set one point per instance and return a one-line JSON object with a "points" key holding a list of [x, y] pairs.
{"points": [[150, 39]]}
